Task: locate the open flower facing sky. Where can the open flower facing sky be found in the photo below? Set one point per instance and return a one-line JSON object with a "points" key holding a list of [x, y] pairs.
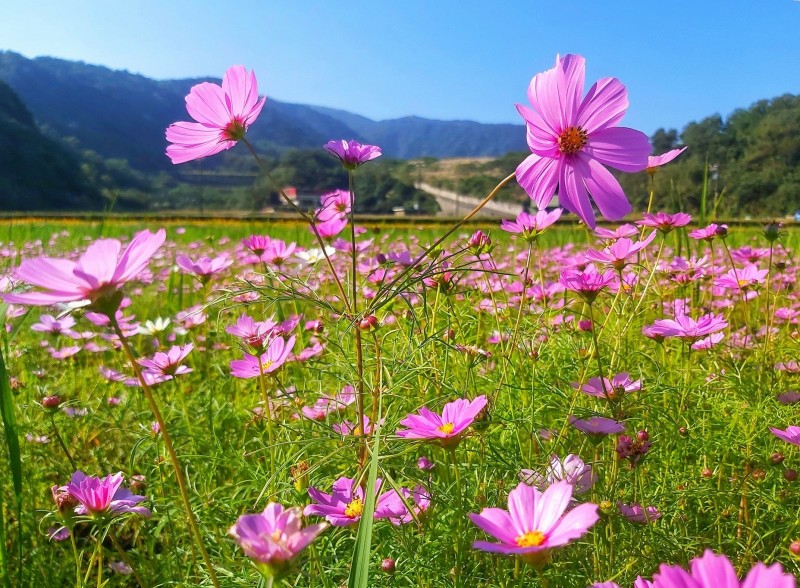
{"points": [[447, 428], [571, 139], [98, 273], [345, 505], [274, 537], [222, 115], [535, 522]]}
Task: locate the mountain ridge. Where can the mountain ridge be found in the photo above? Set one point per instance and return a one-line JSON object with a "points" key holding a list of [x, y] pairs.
{"points": [[123, 115]]}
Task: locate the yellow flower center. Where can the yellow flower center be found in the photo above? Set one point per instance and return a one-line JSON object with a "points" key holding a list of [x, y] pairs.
{"points": [[446, 428], [744, 283], [571, 140], [354, 508], [530, 539], [276, 535]]}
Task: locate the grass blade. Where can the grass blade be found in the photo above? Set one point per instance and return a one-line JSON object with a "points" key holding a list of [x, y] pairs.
{"points": [[359, 572], [15, 462]]}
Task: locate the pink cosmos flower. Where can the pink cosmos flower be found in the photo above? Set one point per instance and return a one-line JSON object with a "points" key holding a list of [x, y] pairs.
{"points": [[531, 225], [222, 114], [447, 428], [665, 222], [96, 276], [278, 252], [572, 469], [165, 366], [352, 153], [710, 232], [55, 326], [255, 334], [258, 244], [685, 327], [101, 496], [638, 514], [716, 571], [274, 537], [274, 357], [790, 435], [618, 254], [535, 522], [345, 505], [330, 404], [571, 139], [656, 161], [587, 283], [334, 204], [612, 389], [204, 268], [743, 278]]}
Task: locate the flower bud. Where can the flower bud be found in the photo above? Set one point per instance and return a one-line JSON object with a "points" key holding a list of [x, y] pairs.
{"points": [[794, 547], [53, 401], [772, 231], [479, 243], [790, 475], [369, 323], [777, 457], [388, 565]]}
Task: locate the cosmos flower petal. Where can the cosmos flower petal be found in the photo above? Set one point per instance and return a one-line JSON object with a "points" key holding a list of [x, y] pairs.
{"points": [[571, 78], [772, 576], [538, 176], [674, 577], [621, 148], [206, 103], [604, 105], [540, 137], [604, 188], [137, 254], [47, 272], [714, 570], [552, 505], [98, 262], [574, 524], [573, 196]]}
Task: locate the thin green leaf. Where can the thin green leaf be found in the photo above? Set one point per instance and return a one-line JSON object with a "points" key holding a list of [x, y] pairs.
{"points": [[359, 572]]}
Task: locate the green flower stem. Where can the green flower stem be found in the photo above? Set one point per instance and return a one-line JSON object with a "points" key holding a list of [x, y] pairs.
{"points": [[176, 464]]}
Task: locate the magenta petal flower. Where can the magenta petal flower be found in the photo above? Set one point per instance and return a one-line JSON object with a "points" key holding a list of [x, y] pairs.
{"points": [[274, 537], [535, 522], [447, 429], [165, 366], [352, 153], [571, 139], [345, 505], [97, 274], [222, 115], [102, 496], [716, 571], [531, 225], [790, 435]]}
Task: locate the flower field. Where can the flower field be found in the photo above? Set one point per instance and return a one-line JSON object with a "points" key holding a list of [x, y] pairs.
{"points": [[683, 458], [337, 402]]}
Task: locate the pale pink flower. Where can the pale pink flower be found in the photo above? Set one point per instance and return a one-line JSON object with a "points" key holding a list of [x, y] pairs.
{"points": [[102, 496], [656, 161], [96, 277], [612, 389], [685, 327], [619, 254], [663, 221], [222, 114], [204, 268], [572, 469], [165, 366]]}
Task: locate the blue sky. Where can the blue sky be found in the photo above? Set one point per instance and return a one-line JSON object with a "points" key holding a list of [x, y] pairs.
{"points": [[681, 60]]}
